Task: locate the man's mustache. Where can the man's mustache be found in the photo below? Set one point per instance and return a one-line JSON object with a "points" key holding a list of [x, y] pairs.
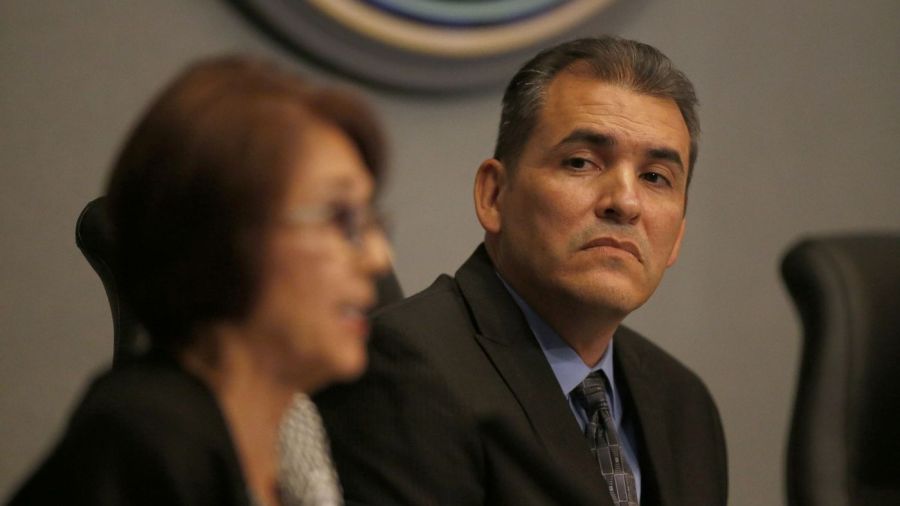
{"points": [[625, 237]]}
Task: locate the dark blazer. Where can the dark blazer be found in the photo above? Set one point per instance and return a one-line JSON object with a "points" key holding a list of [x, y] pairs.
{"points": [[146, 433], [460, 407]]}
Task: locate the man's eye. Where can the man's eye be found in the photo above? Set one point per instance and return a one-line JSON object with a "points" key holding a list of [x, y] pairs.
{"points": [[578, 163], [655, 178]]}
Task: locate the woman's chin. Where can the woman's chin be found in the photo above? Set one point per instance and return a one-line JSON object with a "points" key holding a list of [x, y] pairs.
{"points": [[344, 367], [353, 365]]}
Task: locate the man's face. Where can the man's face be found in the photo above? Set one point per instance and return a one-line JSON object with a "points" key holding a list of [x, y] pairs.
{"points": [[593, 214]]}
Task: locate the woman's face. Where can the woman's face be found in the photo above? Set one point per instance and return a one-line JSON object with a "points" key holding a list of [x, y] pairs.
{"points": [[318, 283]]}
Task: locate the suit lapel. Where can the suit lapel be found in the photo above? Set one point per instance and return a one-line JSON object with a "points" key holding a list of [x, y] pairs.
{"points": [[506, 339], [657, 459]]}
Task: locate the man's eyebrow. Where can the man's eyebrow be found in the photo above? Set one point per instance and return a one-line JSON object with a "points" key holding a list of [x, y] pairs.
{"points": [[592, 137], [666, 154], [602, 140]]}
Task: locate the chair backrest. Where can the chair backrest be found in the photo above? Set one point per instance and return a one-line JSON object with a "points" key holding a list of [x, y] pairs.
{"points": [[844, 444], [94, 238]]}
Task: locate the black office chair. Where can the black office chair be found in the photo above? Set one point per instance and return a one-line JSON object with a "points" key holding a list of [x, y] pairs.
{"points": [[844, 444], [94, 238]]}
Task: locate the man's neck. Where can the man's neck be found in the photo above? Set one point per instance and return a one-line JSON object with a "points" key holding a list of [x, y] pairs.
{"points": [[588, 333], [587, 330]]}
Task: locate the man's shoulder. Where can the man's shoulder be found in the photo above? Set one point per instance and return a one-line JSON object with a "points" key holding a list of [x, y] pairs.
{"points": [[438, 310], [430, 345], [443, 291], [636, 351]]}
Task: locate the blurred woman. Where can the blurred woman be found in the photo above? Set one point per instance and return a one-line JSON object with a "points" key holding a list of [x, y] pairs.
{"points": [[241, 208]]}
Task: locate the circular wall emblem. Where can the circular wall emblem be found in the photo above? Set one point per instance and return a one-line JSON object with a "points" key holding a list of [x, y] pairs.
{"points": [[424, 45]]}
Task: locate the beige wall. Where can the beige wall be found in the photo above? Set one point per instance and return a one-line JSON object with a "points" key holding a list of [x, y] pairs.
{"points": [[801, 119]]}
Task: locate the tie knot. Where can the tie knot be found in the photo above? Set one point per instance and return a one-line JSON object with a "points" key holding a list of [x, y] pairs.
{"points": [[592, 391]]}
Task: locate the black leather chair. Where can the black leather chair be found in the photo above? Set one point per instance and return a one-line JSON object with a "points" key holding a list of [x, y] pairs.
{"points": [[94, 238], [844, 444]]}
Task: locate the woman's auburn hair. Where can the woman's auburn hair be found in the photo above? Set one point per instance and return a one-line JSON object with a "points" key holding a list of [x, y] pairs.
{"points": [[199, 179]]}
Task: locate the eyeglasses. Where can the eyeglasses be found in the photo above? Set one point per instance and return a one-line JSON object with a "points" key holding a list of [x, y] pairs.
{"points": [[353, 222]]}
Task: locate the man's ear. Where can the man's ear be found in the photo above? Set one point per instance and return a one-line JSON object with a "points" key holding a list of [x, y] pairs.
{"points": [[677, 248], [490, 184]]}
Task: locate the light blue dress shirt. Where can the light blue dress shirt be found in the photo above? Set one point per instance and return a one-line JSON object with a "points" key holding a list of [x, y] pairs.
{"points": [[570, 371]]}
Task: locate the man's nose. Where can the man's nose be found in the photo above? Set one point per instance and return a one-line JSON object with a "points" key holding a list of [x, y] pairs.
{"points": [[617, 196]]}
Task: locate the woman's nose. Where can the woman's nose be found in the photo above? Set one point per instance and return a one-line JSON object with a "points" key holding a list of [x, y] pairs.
{"points": [[377, 255]]}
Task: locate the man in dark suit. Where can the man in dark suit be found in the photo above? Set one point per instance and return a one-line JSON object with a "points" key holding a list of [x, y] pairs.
{"points": [[514, 382]]}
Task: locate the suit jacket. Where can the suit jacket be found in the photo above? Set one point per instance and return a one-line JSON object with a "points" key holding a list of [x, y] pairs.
{"points": [[146, 433], [459, 406]]}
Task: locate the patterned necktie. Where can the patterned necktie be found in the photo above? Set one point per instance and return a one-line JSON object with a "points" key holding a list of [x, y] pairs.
{"points": [[601, 431], [307, 476]]}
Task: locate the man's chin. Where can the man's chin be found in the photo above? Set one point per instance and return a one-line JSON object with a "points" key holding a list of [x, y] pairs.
{"points": [[611, 297]]}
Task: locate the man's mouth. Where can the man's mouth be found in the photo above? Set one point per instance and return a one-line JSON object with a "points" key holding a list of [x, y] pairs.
{"points": [[624, 245]]}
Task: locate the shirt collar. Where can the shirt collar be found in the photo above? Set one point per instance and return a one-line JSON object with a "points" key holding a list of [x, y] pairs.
{"points": [[567, 366]]}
